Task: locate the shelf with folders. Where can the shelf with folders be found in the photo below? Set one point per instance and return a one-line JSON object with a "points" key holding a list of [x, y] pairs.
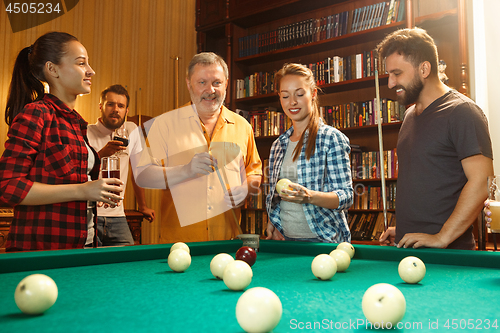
{"points": [[369, 197], [254, 215], [365, 165], [366, 174], [369, 226], [254, 222], [266, 121], [258, 201], [359, 114]]}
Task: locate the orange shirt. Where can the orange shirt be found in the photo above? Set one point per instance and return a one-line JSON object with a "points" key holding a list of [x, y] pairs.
{"points": [[195, 211]]}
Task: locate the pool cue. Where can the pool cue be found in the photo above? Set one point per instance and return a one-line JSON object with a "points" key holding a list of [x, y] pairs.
{"points": [[139, 106], [95, 238], [380, 145], [226, 190], [176, 81]]}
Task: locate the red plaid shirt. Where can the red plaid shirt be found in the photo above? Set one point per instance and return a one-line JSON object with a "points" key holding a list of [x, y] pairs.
{"points": [[45, 144]]}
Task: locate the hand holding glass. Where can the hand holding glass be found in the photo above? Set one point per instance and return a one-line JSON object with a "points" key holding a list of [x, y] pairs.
{"points": [[110, 168], [121, 134]]}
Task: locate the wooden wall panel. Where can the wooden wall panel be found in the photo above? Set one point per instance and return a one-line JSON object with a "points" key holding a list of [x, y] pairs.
{"points": [[129, 42]]}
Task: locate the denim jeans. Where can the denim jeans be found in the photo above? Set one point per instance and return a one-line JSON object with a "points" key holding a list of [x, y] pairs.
{"points": [[314, 240], [114, 231]]}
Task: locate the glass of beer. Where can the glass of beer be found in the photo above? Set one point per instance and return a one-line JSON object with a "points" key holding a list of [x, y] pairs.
{"points": [[110, 168], [494, 197], [121, 134]]}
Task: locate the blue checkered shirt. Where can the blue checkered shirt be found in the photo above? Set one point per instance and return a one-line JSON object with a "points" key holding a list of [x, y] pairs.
{"points": [[328, 170]]}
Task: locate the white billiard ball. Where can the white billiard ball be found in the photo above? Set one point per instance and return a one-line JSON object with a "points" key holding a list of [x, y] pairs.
{"points": [[411, 269], [347, 247], [180, 245], [237, 275], [324, 267], [258, 310], [35, 294], [219, 263], [179, 260], [283, 184], [342, 259], [383, 305]]}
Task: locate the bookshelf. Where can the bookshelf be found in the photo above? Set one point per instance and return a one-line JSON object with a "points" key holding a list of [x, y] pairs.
{"points": [[257, 37]]}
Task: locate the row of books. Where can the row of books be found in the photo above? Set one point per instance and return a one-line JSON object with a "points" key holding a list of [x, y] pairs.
{"points": [[269, 122], [369, 226], [259, 83], [383, 13], [366, 164], [327, 27], [266, 122], [365, 197], [330, 70], [370, 197], [337, 69], [355, 114], [254, 222], [363, 226]]}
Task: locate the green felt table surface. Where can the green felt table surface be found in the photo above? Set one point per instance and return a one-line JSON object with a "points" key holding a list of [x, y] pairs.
{"points": [[132, 289]]}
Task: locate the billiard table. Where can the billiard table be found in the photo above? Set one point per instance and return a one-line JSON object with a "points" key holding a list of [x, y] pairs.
{"points": [[132, 289]]}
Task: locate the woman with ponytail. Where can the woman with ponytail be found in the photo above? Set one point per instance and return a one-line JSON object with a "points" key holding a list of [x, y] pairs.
{"points": [[47, 166], [315, 158]]}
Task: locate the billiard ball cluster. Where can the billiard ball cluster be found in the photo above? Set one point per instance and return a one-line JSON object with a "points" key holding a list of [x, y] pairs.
{"points": [[219, 263], [325, 266], [342, 259], [385, 304], [258, 309], [179, 258], [236, 274], [382, 302]]}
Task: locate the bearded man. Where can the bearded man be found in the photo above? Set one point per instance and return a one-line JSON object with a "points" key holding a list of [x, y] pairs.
{"points": [[444, 149], [112, 226]]}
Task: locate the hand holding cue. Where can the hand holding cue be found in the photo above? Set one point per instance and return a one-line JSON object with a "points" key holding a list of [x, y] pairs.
{"points": [[226, 190]]}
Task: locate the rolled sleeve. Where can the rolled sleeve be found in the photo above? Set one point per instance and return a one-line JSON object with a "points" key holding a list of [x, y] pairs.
{"points": [[21, 148], [253, 163]]}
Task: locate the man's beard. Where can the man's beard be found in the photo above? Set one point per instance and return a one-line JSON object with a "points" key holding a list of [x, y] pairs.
{"points": [[218, 98], [113, 126], [411, 92]]}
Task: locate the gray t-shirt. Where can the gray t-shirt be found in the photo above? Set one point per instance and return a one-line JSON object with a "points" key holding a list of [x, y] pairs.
{"points": [[292, 214], [430, 149]]}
